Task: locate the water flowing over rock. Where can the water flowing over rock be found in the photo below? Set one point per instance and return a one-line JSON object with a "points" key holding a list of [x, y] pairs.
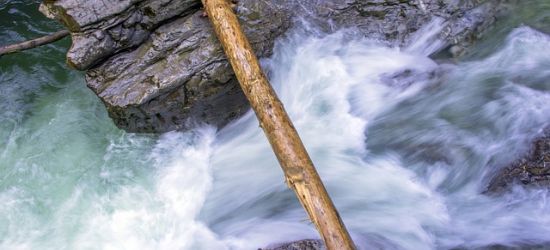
{"points": [[533, 170], [299, 245], [157, 66]]}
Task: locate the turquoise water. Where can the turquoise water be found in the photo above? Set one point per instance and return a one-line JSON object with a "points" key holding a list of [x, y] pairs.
{"points": [[56, 140], [405, 160]]}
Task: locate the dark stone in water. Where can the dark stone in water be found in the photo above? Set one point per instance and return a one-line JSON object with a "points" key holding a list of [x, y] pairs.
{"points": [[533, 170], [367, 241], [299, 245]]}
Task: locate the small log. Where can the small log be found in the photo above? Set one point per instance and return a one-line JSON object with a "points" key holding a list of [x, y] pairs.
{"points": [[34, 42], [299, 171]]}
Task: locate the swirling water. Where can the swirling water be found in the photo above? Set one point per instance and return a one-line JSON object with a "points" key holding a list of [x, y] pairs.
{"points": [[405, 144]]}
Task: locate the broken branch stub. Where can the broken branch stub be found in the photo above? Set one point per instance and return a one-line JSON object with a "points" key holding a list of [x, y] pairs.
{"points": [[34, 42]]}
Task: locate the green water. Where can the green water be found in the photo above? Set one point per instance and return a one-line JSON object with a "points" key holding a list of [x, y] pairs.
{"points": [[55, 138], [532, 13]]}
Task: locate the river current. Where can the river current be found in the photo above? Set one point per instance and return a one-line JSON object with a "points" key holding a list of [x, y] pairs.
{"points": [[406, 145]]}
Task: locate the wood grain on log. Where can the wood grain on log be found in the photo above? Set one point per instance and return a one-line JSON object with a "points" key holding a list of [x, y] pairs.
{"points": [[299, 171]]}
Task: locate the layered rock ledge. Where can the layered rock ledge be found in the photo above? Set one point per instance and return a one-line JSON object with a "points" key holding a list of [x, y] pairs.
{"points": [[157, 65]]}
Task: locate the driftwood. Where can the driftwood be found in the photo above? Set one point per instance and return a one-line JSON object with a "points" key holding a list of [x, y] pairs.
{"points": [[33, 43], [299, 171]]}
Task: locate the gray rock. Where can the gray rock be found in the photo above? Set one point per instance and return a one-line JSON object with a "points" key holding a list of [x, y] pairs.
{"points": [[157, 65], [101, 28], [181, 72], [532, 170], [366, 241], [299, 245]]}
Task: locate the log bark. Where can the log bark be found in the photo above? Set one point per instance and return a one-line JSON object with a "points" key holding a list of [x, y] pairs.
{"points": [[299, 171], [34, 42]]}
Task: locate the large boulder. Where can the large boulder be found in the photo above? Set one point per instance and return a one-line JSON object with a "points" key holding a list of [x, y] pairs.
{"points": [[157, 65], [180, 74]]}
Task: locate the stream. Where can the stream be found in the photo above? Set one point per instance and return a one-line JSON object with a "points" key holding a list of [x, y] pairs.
{"points": [[405, 143]]}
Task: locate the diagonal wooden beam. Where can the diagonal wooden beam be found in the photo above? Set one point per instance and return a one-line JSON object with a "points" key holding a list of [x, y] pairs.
{"points": [[299, 171]]}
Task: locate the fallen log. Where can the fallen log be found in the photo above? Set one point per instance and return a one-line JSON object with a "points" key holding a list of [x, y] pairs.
{"points": [[34, 42], [299, 171]]}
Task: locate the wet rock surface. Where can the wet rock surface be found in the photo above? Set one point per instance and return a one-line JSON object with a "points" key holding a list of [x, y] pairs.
{"points": [[180, 72], [101, 29], [533, 170], [299, 245], [157, 65], [367, 241]]}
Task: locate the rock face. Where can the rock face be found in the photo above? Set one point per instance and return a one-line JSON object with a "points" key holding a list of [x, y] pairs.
{"points": [[178, 73], [533, 170], [157, 65]]}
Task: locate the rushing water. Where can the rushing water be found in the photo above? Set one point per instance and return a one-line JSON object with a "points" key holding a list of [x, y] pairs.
{"points": [[405, 145]]}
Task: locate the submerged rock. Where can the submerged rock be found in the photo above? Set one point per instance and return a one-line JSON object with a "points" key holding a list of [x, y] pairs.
{"points": [[299, 245], [366, 241], [533, 170], [157, 65]]}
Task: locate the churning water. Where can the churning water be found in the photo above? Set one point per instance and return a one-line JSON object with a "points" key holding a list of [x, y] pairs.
{"points": [[405, 145]]}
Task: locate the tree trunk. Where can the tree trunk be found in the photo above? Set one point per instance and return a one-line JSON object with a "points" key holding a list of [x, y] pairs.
{"points": [[299, 171], [33, 43]]}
